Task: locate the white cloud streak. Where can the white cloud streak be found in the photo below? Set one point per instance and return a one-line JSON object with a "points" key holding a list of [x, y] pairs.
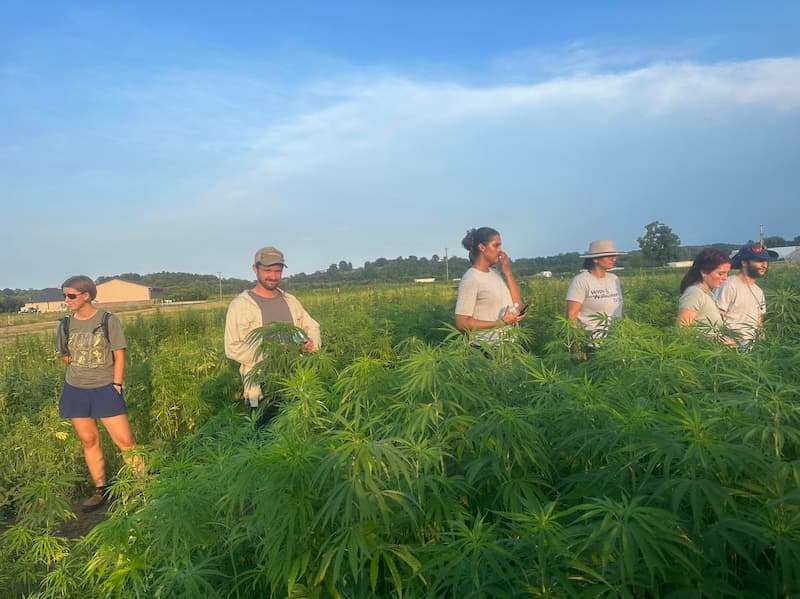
{"points": [[387, 164], [375, 113]]}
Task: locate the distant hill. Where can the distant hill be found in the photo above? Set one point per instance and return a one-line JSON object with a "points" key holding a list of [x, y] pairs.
{"points": [[187, 286], [182, 286]]}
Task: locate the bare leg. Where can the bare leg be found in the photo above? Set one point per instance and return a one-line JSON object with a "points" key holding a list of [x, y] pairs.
{"points": [[92, 452], [119, 429]]}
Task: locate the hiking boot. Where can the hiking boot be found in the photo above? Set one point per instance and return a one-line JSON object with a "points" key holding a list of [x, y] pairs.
{"points": [[95, 500]]}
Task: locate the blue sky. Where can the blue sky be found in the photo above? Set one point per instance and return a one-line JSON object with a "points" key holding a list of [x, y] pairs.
{"points": [[183, 136]]}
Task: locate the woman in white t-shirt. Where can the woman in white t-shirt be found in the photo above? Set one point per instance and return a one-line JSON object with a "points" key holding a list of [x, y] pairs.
{"points": [[486, 303], [697, 303], [594, 296]]}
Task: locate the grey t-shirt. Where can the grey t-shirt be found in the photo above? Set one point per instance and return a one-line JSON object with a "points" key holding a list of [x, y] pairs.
{"points": [[92, 362], [744, 307], [273, 309], [700, 301], [596, 295], [484, 296]]}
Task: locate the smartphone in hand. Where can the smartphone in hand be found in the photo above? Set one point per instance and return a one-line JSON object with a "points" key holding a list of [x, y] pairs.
{"points": [[524, 309]]}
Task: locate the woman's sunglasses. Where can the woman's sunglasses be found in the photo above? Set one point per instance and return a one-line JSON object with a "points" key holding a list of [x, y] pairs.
{"points": [[71, 295]]}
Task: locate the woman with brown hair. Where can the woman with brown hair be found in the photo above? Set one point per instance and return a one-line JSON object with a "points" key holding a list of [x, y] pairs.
{"points": [[91, 342], [697, 304]]}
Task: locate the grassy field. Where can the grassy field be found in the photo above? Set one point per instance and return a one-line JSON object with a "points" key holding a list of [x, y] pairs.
{"points": [[405, 463]]}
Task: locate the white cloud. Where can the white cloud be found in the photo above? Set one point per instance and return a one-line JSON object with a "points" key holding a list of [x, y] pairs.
{"points": [[381, 165], [375, 113], [435, 154]]}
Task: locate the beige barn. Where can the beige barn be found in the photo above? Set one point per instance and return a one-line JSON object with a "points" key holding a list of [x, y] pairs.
{"points": [[49, 300], [119, 292]]}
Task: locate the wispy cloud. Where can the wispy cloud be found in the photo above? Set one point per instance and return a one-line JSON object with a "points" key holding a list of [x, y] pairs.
{"points": [[590, 57], [375, 112], [361, 164], [433, 153]]}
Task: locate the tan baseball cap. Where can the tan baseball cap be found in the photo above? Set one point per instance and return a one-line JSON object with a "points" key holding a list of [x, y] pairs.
{"points": [[267, 256]]}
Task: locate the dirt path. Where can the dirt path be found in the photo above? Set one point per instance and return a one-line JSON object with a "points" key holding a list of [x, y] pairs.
{"points": [[83, 522]]}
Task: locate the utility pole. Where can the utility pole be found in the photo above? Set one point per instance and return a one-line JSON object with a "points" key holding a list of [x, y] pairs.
{"points": [[761, 235], [219, 276], [446, 267]]}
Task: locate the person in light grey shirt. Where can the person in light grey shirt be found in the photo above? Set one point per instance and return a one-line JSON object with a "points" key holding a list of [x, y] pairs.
{"points": [[595, 295], [697, 305], [740, 298], [487, 303]]}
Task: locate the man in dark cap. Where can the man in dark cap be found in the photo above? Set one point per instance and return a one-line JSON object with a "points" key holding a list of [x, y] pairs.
{"points": [[261, 305], [740, 298]]}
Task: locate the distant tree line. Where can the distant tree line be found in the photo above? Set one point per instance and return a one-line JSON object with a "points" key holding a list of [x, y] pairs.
{"points": [[775, 241], [657, 246]]}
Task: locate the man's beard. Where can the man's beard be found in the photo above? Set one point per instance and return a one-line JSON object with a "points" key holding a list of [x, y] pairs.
{"points": [[753, 271]]}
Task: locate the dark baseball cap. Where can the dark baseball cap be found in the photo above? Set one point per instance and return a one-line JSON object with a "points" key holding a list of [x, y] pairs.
{"points": [[752, 252]]}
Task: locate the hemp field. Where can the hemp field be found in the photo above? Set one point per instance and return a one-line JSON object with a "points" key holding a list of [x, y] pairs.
{"points": [[405, 463]]}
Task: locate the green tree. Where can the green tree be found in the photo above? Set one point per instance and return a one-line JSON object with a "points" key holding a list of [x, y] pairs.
{"points": [[9, 303], [775, 241], [659, 244]]}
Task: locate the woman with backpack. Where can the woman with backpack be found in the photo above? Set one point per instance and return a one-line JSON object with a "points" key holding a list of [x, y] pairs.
{"points": [[91, 342]]}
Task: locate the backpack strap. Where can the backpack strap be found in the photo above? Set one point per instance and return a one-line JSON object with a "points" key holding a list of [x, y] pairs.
{"points": [[62, 338], [104, 324], [65, 327]]}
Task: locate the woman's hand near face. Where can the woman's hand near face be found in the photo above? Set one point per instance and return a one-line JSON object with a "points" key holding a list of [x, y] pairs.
{"points": [[504, 261], [505, 265]]}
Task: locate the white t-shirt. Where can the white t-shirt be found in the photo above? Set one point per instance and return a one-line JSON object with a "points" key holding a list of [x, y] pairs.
{"points": [[484, 296], [702, 302], [743, 305], [601, 295]]}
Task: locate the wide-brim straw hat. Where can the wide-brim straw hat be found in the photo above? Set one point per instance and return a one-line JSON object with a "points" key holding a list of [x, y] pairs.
{"points": [[602, 247]]}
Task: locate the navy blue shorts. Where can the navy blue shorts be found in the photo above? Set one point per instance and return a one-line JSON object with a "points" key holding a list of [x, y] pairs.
{"points": [[100, 402]]}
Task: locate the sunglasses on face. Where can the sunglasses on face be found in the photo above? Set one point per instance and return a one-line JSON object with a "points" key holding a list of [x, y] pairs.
{"points": [[71, 295]]}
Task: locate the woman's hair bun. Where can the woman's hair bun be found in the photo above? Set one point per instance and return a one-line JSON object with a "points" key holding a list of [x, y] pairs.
{"points": [[469, 240]]}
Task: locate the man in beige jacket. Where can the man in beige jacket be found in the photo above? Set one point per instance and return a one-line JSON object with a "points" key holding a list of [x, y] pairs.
{"points": [[258, 306]]}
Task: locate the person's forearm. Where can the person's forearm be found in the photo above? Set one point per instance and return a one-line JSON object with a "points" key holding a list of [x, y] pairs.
{"points": [[468, 323], [474, 323], [685, 317], [512, 286], [573, 309], [119, 365]]}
